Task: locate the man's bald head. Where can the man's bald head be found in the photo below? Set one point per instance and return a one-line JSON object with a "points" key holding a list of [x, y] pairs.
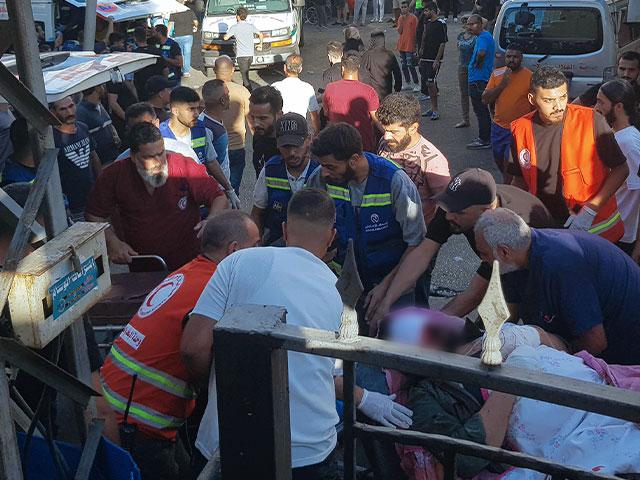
{"points": [[223, 68]]}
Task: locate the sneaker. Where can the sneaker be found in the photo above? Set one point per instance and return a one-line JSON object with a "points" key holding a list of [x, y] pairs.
{"points": [[461, 124], [455, 19], [435, 116], [406, 86], [381, 21], [336, 23], [423, 98], [416, 88], [428, 113], [186, 75], [478, 144]]}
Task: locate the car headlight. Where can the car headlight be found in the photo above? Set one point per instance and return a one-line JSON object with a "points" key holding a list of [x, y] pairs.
{"points": [[279, 32]]}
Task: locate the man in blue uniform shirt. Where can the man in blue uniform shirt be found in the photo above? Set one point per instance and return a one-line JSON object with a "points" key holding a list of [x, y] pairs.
{"points": [[580, 286], [377, 205], [282, 176]]}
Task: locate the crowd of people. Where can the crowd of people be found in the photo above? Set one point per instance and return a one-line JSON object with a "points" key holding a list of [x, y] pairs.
{"points": [[163, 164]]}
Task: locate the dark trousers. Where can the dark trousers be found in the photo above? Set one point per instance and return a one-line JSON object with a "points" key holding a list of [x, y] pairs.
{"points": [[236, 166], [408, 68], [325, 470], [321, 10], [244, 63], [481, 110], [161, 459], [447, 6]]}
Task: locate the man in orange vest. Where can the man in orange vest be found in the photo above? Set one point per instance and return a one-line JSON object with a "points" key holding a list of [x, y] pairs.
{"points": [[149, 347], [567, 156]]}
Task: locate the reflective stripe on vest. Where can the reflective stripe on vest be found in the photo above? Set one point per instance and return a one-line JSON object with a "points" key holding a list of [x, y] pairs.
{"points": [[338, 193], [141, 413], [198, 142], [155, 377], [279, 183], [607, 224], [376, 200]]}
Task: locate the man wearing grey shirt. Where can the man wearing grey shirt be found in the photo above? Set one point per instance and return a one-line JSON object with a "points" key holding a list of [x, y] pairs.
{"points": [[377, 205], [244, 34]]}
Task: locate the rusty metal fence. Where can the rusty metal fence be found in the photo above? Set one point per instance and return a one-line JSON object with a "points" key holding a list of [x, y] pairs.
{"points": [[250, 361]]}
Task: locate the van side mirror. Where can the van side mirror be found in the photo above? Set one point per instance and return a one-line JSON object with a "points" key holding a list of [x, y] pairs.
{"points": [[524, 18]]}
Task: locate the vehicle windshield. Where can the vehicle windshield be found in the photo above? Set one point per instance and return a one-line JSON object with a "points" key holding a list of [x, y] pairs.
{"points": [[228, 7], [553, 30]]}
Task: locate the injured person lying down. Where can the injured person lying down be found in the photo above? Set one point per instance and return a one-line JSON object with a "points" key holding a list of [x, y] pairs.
{"points": [[572, 437]]}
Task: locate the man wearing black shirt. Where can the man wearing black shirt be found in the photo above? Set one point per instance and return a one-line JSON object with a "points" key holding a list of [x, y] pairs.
{"points": [[184, 25], [265, 107], [468, 195], [78, 162], [159, 68], [430, 43], [171, 52]]}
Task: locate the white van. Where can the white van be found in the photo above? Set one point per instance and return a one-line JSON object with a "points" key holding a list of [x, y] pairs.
{"points": [[278, 20], [578, 36]]}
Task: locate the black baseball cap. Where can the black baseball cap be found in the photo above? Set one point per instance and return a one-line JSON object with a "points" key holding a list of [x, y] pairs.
{"points": [[472, 186], [291, 130], [156, 84]]}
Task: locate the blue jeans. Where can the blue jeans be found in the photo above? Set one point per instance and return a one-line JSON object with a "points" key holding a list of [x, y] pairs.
{"points": [[408, 69], [186, 44], [236, 165]]}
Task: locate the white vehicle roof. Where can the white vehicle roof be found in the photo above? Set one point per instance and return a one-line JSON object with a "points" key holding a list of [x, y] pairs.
{"points": [[66, 73], [124, 10]]}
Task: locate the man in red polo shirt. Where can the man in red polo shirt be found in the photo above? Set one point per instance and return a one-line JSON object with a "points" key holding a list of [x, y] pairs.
{"points": [[157, 196]]}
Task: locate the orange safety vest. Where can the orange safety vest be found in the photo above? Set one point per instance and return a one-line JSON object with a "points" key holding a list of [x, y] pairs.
{"points": [[582, 170], [149, 346]]}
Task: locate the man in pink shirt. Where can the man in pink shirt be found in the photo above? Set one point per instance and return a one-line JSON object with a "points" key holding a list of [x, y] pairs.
{"points": [[353, 102], [407, 26], [427, 167]]}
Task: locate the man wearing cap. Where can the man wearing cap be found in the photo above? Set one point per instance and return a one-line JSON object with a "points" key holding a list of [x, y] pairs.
{"points": [[282, 176], [468, 195], [159, 91]]}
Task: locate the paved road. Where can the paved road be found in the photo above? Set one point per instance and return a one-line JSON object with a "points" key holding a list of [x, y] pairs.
{"points": [[456, 262]]}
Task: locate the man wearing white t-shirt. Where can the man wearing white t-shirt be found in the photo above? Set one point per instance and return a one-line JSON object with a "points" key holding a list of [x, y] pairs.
{"points": [[616, 100], [298, 96], [296, 278]]}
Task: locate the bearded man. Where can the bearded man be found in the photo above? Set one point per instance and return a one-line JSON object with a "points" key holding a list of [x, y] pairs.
{"points": [[427, 167], [156, 197]]}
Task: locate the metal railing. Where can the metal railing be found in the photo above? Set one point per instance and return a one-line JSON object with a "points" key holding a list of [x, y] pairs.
{"points": [[250, 350]]}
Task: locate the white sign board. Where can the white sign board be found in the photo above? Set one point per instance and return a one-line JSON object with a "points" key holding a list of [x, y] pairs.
{"points": [[83, 70], [131, 10]]}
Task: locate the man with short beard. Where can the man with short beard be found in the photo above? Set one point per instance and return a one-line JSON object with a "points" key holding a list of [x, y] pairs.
{"points": [[468, 195], [427, 167], [568, 157], [157, 196], [579, 287], [78, 161], [265, 107], [282, 176]]}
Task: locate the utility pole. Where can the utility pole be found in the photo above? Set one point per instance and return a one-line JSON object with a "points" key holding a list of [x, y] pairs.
{"points": [[30, 72], [88, 41]]}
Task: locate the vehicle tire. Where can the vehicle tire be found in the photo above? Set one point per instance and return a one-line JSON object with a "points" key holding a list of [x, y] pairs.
{"points": [[208, 71], [311, 16]]}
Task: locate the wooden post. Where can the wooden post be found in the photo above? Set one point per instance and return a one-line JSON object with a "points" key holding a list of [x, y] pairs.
{"points": [[10, 467], [253, 395], [89, 38], [30, 72], [349, 419]]}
